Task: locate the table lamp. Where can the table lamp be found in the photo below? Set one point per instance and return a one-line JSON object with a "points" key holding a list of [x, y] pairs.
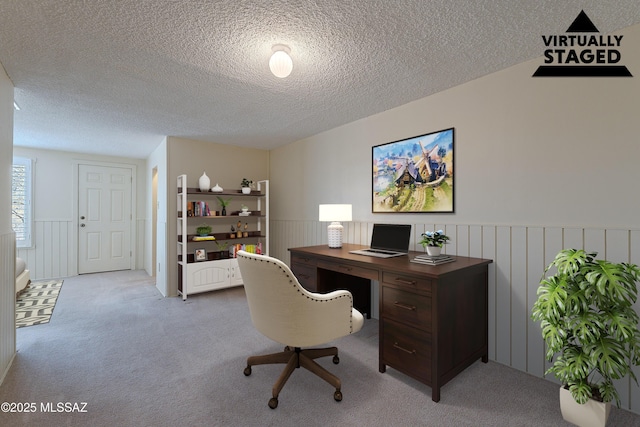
{"points": [[335, 214]]}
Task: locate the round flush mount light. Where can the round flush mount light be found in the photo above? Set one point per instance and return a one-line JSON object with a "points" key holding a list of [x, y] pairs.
{"points": [[280, 62]]}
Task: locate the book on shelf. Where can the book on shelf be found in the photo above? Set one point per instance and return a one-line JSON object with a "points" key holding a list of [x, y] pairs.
{"points": [[433, 259], [252, 249], [203, 238], [200, 208]]}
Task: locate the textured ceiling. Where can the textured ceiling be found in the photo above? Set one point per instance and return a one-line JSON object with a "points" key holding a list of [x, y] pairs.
{"points": [[116, 76]]}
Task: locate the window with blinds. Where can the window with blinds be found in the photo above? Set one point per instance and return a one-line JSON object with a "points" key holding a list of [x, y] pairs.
{"points": [[21, 212]]}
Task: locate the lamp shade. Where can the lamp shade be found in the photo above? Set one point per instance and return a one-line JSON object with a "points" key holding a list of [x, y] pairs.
{"points": [[333, 213]]}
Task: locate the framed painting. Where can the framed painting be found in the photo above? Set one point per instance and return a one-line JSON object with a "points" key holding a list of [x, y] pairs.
{"points": [[414, 175]]}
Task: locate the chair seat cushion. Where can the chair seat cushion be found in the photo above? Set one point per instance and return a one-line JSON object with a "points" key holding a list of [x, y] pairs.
{"points": [[357, 320]]}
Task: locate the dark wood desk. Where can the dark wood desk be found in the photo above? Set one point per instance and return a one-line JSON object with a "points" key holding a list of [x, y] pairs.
{"points": [[433, 320]]}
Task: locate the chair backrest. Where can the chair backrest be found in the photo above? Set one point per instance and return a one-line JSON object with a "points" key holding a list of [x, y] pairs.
{"points": [[284, 311]]}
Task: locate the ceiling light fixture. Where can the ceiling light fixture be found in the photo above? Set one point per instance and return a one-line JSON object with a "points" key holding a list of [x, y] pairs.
{"points": [[280, 62]]}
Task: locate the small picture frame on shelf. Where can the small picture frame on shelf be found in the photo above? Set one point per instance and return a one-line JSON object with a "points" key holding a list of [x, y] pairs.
{"points": [[200, 255]]}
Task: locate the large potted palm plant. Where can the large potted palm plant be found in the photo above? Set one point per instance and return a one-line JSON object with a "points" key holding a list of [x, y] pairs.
{"points": [[589, 325]]}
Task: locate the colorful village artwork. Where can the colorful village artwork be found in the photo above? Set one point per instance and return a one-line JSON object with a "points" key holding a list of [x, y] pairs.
{"points": [[414, 174]]}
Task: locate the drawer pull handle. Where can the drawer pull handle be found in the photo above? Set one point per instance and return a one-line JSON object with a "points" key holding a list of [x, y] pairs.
{"points": [[405, 306], [405, 281], [395, 345]]}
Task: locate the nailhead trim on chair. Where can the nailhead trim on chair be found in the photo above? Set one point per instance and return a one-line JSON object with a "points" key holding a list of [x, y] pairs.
{"points": [[293, 281]]}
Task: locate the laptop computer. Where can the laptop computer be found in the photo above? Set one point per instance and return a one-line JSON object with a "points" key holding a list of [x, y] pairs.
{"points": [[387, 241]]}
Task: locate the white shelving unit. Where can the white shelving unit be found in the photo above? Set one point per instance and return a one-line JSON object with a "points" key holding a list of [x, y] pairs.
{"points": [[218, 271]]}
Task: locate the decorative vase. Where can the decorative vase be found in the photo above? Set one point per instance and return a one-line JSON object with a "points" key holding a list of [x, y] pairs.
{"points": [[217, 189], [434, 250], [224, 211], [246, 190], [591, 414], [204, 182]]}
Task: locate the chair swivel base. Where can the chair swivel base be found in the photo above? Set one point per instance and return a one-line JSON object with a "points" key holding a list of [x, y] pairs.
{"points": [[295, 358]]}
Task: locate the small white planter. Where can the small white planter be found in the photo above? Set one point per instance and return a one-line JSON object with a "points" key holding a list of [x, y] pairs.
{"points": [[591, 414], [246, 190], [434, 250]]}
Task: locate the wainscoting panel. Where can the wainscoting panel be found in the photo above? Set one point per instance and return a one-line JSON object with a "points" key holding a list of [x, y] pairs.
{"points": [[520, 255], [54, 251], [7, 302]]}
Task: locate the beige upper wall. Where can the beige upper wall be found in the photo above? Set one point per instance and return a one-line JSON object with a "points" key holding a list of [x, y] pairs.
{"points": [[224, 164], [528, 151]]}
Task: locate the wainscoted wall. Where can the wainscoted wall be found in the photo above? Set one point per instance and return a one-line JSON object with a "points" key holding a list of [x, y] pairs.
{"points": [[7, 302], [54, 253], [519, 254]]}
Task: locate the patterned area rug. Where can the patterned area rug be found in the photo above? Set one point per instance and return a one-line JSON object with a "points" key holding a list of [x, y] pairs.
{"points": [[35, 304]]}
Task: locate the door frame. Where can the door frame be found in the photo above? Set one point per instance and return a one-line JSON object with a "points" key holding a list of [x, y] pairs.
{"points": [[133, 241]]}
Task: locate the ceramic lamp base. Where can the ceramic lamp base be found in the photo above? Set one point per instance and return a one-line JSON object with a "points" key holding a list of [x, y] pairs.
{"points": [[334, 234]]}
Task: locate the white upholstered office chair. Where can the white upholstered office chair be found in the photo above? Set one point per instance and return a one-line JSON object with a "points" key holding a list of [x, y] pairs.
{"points": [[285, 312]]}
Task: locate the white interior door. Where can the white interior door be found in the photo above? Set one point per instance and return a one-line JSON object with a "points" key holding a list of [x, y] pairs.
{"points": [[104, 218]]}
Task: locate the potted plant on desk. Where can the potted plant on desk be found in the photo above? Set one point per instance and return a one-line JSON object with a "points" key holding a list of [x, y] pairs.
{"points": [[589, 325], [433, 241]]}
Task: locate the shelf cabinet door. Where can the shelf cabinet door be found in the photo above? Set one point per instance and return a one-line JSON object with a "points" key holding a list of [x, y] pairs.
{"points": [[207, 276], [234, 273]]}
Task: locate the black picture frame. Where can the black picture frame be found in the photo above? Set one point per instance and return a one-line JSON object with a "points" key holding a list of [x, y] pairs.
{"points": [[414, 175]]}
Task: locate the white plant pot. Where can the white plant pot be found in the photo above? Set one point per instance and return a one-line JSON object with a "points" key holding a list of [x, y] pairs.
{"points": [[246, 190], [591, 414], [434, 250]]}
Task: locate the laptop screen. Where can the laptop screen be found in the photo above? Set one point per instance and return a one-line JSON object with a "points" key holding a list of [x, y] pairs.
{"points": [[391, 237]]}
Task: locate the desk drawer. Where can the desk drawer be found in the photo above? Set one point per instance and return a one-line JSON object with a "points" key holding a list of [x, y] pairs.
{"points": [[407, 349], [306, 275], [301, 259], [407, 281], [351, 270], [407, 307]]}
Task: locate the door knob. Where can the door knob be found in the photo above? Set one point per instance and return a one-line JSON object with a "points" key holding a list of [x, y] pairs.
{"points": [[82, 217], [81, 225]]}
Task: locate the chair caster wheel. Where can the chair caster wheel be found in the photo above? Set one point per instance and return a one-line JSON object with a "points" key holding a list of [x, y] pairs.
{"points": [[336, 359], [337, 396], [247, 371], [273, 403]]}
